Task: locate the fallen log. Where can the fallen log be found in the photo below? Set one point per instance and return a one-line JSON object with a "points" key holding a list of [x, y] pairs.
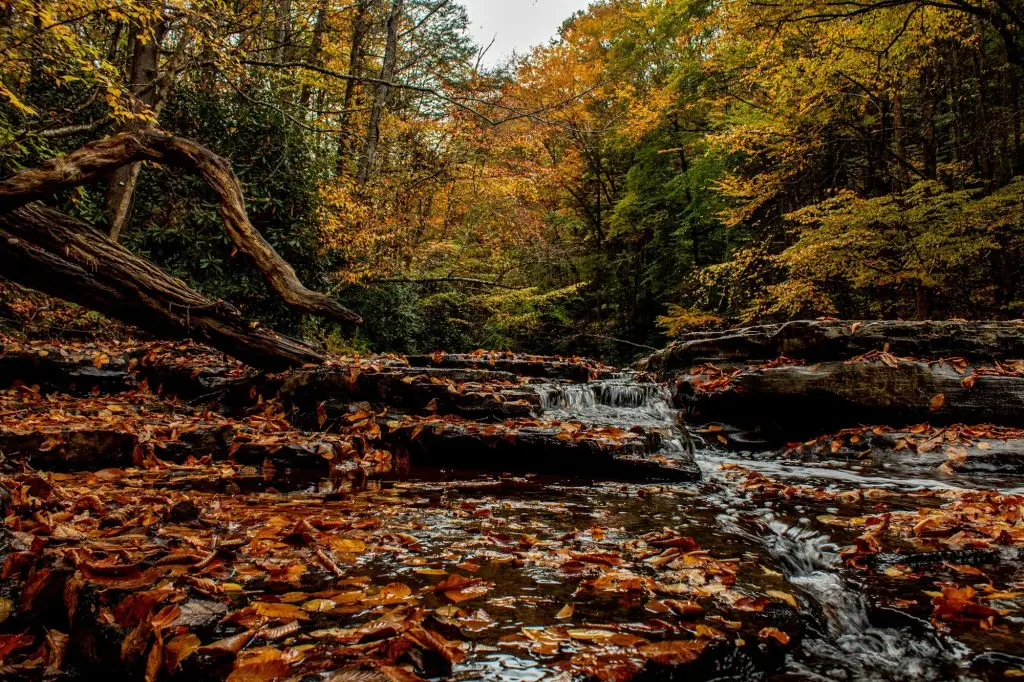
{"points": [[836, 340], [53, 253], [103, 157], [59, 255]]}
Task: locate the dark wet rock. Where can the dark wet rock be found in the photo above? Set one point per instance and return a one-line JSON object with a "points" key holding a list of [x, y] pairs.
{"points": [[919, 560], [997, 665], [536, 449], [185, 510], [80, 372], [545, 367], [312, 395], [794, 402], [998, 457], [69, 449], [832, 340], [90, 448]]}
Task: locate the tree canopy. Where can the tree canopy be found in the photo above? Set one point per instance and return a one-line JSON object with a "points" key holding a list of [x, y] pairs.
{"points": [[661, 166]]}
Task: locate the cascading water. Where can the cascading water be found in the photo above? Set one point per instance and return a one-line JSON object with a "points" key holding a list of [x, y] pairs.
{"points": [[620, 401], [810, 562]]}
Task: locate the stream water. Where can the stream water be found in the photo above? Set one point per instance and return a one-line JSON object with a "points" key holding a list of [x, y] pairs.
{"points": [[517, 532], [849, 636]]}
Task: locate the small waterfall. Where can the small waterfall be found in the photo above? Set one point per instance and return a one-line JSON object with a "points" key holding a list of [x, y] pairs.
{"points": [[810, 560], [620, 401], [610, 393]]}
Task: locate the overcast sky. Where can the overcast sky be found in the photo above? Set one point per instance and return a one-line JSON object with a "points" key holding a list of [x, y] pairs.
{"points": [[517, 25]]}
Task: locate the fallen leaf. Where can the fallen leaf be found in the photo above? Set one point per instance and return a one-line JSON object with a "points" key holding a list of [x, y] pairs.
{"points": [[675, 652]]}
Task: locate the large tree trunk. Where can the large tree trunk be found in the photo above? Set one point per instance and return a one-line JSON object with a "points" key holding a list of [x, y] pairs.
{"points": [[380, 96], [46, 250]]}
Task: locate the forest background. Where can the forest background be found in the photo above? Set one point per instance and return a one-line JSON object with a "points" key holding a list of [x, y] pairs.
{"points": [[662, 166]]}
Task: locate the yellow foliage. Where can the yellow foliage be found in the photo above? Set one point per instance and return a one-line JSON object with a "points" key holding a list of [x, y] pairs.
{"points": [[678, 320]]}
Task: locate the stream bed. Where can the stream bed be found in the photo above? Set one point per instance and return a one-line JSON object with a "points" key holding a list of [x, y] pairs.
{"points": [[769, 567]]}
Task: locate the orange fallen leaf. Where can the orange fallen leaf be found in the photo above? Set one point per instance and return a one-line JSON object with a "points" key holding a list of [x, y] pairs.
{"points": [[774, 633]]}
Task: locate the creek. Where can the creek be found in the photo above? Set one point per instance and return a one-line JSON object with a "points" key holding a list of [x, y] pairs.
{"points": [[849, 633]]}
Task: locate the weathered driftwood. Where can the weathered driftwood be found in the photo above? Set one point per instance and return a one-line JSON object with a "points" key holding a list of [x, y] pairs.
{"points": [[796, 401], [102, 157], [835, 340]]}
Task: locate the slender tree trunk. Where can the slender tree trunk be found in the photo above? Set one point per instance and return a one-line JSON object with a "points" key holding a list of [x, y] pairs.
{"points": [[921, 302], [930, 104], [143, 74], [380, 96], [314, 49], [900, 138], [983, 142], [360, 31], [282, 30], [1018, 146], [684, 169]]}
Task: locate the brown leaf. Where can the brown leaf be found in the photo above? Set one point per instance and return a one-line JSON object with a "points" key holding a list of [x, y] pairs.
{"points": [[280, 611], [178, 649], [675, 652], [468, 592], [227, 646], [12, 643], [155, 660], [261, 664], [684, 607], [56, 646]]}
